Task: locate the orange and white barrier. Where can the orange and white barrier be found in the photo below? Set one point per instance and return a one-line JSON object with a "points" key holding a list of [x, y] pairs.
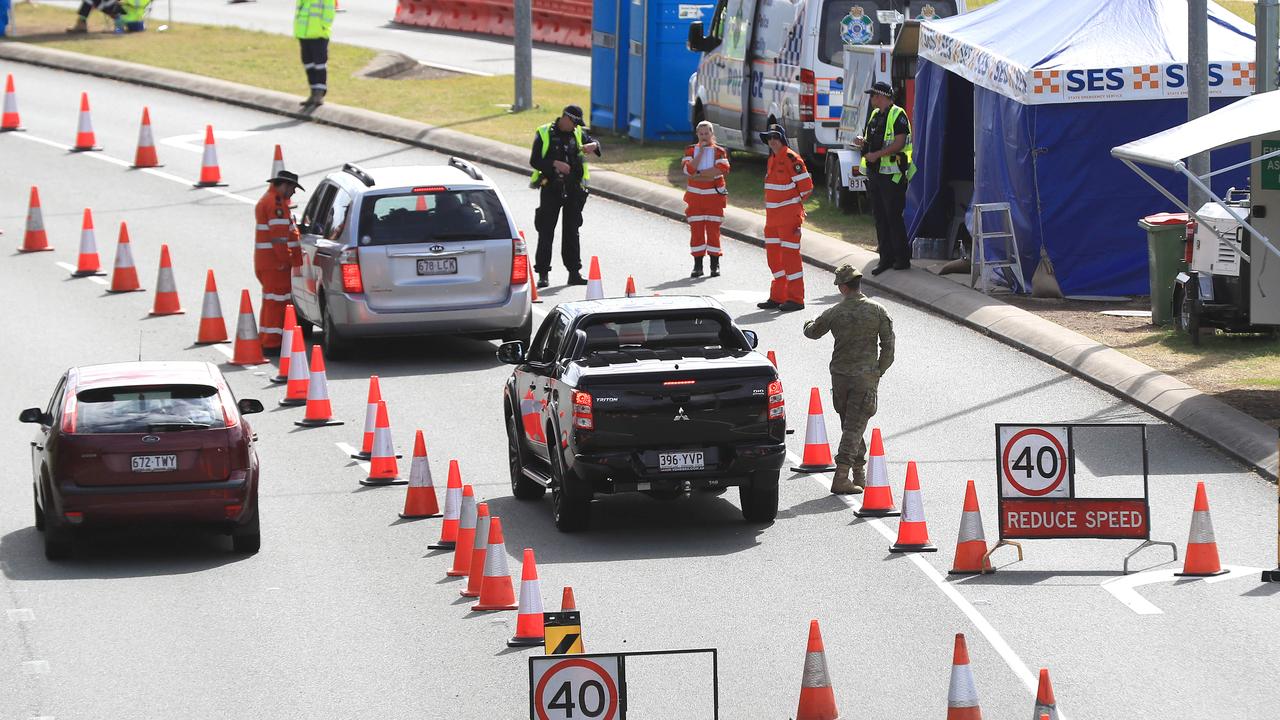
{"points": [[913, 533], [817, 451], [529, 629]]}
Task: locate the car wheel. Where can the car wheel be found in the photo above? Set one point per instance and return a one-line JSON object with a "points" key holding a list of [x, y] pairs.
{"points": [[335, 347], [35, 504], [572, 511], [521, 486], [247, 538], [523, 334], [760, 497], [57, 540]]}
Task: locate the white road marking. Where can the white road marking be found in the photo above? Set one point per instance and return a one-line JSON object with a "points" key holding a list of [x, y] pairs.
{"points": [[980, 622], [72, 268], [225, 350], [21, 615], [35, 667], [1125, 589], [126, 164], [349, 451], [194, 142]]}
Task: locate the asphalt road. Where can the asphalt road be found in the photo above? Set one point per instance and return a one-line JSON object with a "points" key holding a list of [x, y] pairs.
{"points": [[367, 23], [345, 613]]}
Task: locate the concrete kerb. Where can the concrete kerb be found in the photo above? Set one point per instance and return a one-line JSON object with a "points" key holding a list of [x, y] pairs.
{"points": [[1241, 436]]}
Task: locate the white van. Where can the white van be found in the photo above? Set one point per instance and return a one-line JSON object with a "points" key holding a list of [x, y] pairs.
{"points": [[767, 61]]}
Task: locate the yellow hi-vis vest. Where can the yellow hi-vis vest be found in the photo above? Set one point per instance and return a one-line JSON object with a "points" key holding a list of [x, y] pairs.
{"points": [[894, 112], [544, 134], [313, 19], [134, 10]]}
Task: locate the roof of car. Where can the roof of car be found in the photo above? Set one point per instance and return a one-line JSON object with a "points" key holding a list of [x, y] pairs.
{"points": [[641, 304], [404, 176], [145, 372]]}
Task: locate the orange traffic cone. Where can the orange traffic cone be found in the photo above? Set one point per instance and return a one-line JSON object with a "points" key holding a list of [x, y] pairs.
{"points": [[299, 376], [452, 510], [533, 290], [1046, 706], [10, 120], [370, 421], [213, 329], [496, 589], [145, 156], [877, 499], [913, 533], [319, 410], [817, 451], [631, 287], [35, 239], [1201, 558], [466, 534], [595, 289], [286, 345], [166, 302], [420, 497], [383, 469], [85, 140], [421, 204], [475, 576], [277, 162], [567, 601], [962, 693], [817, 698], [210, 175], [248, 347], [124, 276], [88, 263], [971, 544], [772, 358], [529, 611]]}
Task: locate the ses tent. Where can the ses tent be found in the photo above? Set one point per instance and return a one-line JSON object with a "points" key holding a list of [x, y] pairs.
{"points": [[1023, 100]]}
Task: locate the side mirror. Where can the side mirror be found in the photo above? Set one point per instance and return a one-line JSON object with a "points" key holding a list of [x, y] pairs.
{"points": [[249, 406], [694, 42], [752, 338], [511, 353], [32, 415]]}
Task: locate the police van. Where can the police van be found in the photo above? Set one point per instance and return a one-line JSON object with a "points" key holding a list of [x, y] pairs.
{"points": [[779, 61]]}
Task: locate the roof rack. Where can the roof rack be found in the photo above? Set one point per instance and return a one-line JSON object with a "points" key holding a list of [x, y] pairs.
{"points": [[466, 167], [361, 175]]}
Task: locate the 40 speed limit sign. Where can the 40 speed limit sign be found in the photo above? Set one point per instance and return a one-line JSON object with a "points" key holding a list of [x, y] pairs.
{"points": [[1035, 462], [576, 687]]}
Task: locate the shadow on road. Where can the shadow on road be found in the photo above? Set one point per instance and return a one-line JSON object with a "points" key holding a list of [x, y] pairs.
{"points": [[108, 555], [406, 357]]}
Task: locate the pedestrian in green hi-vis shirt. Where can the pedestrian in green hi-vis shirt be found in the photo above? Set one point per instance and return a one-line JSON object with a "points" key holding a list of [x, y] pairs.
{"points": [[312, 24]]}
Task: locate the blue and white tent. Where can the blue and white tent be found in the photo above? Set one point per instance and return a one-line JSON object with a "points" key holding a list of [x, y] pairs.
{"points": [[1027, 97]]}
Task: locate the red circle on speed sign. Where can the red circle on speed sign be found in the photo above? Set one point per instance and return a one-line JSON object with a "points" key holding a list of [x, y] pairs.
{"points": [[1061, 462], [608, 704]]}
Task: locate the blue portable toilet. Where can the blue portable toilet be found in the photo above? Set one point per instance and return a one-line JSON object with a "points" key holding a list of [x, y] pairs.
{"points": [[610, 21], [658, 106]]}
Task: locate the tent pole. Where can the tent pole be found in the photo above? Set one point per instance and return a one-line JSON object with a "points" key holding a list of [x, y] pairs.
{"points": [[1267, 30], [1197, 86]]}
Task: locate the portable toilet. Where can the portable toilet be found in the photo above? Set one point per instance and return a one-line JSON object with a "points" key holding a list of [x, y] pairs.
{"points": [[658, 106], [610, 21]]}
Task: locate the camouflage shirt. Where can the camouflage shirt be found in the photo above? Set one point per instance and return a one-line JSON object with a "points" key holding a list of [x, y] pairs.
{"points": [[856, 322]]}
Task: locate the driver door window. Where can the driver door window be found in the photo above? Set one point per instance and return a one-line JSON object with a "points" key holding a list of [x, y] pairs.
{"points": [[319, 212]]}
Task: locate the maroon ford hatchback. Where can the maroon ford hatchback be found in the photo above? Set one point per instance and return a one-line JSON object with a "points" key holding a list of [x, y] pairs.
{"points": [[142, 442]]}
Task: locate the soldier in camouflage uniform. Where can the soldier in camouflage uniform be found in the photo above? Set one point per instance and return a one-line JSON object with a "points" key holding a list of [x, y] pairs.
{"points": [[863, 351]]}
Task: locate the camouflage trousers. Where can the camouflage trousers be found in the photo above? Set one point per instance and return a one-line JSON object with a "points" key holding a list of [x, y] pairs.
{"points": [[853, 397]]}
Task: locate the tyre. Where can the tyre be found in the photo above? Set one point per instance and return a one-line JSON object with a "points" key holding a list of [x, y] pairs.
{"points": [[760, 497], [1179, 320], [35, 504], [247, 539], [838, 196], [1187, 317], [521, 486], [570, 509], [57, 539], [335, 347], [523, 334]]}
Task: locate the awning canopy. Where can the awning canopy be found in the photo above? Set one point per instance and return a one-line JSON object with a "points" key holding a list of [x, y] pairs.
{"points": [[1238, 122]]}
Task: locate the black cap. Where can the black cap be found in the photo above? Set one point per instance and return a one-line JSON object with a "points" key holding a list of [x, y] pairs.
{"points": [[288, 177], [774, 131], [881, 88], [574, 113]]}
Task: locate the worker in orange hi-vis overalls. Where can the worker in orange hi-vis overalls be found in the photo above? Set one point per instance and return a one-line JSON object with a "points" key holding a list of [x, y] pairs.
{"points": [[705, 164], [275, 252], [786, 186]]}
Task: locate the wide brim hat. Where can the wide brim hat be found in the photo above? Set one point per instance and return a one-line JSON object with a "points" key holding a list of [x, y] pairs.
{"points": [[289, 177]]}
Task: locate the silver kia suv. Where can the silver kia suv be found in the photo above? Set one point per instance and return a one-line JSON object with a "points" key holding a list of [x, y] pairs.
{"points": [[414, 250]]}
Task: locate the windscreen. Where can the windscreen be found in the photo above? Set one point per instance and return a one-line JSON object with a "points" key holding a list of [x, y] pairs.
{"points": [[148, 409], [694, 333], [435, 216]]}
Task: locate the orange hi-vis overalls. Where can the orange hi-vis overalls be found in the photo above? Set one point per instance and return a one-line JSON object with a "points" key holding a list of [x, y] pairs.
{"points": [[786, 186], [274, 254], [705, 200]]}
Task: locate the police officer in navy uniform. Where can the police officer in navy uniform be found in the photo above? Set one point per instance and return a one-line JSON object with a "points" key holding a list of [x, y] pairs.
{"points": [[561, 175], [886, 163]]}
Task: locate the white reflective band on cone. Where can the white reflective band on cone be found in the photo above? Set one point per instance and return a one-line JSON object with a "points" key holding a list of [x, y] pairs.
{"points": [[962, 693], [495, 561], [467, 516], [382, 446], [815, 671], [530, 597], [371, 417], [453, 504], [1201, 528], [35, 219], [210, 156], [211, 308], [124, 255], [246, 327], [275, 331], [971, 527], [88, 246], [420, 473], [86, 123], [164, 281], [912, 507], [815, 431], [877, 473], [317, 388], [298, 369]]}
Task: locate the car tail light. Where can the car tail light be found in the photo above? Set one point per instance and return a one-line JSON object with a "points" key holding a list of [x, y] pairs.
{"points": [[1191, 240], [519, 261], [679, 382], [777, 406], [232, 511], [582, 417], [349, 261], [75, 518], [808, 95], [69, 414]]}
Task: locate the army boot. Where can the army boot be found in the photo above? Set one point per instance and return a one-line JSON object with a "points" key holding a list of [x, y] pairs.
{"points": [[859, 478], [841, 484]]}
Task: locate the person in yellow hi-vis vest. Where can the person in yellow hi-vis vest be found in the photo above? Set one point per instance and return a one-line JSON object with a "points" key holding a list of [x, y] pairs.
{"points": [[886, 163], [312, 23], [561, 176]]}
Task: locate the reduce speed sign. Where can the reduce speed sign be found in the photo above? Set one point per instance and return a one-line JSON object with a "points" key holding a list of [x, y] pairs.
{"points": [[1034, 462], [575, 688]]}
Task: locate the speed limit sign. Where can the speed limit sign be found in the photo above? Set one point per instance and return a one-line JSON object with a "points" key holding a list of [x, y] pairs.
{"points": [[575, 688], [1034, 461]]}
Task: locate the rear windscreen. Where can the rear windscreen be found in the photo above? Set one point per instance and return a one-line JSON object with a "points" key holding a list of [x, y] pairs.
{"points": [[441, 216], [148, 409], [661, 333]]}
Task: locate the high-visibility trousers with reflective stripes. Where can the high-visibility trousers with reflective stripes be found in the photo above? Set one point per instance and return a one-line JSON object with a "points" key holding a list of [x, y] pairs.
{"points": [[704, 213], [782, 251], [276, 289]]}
